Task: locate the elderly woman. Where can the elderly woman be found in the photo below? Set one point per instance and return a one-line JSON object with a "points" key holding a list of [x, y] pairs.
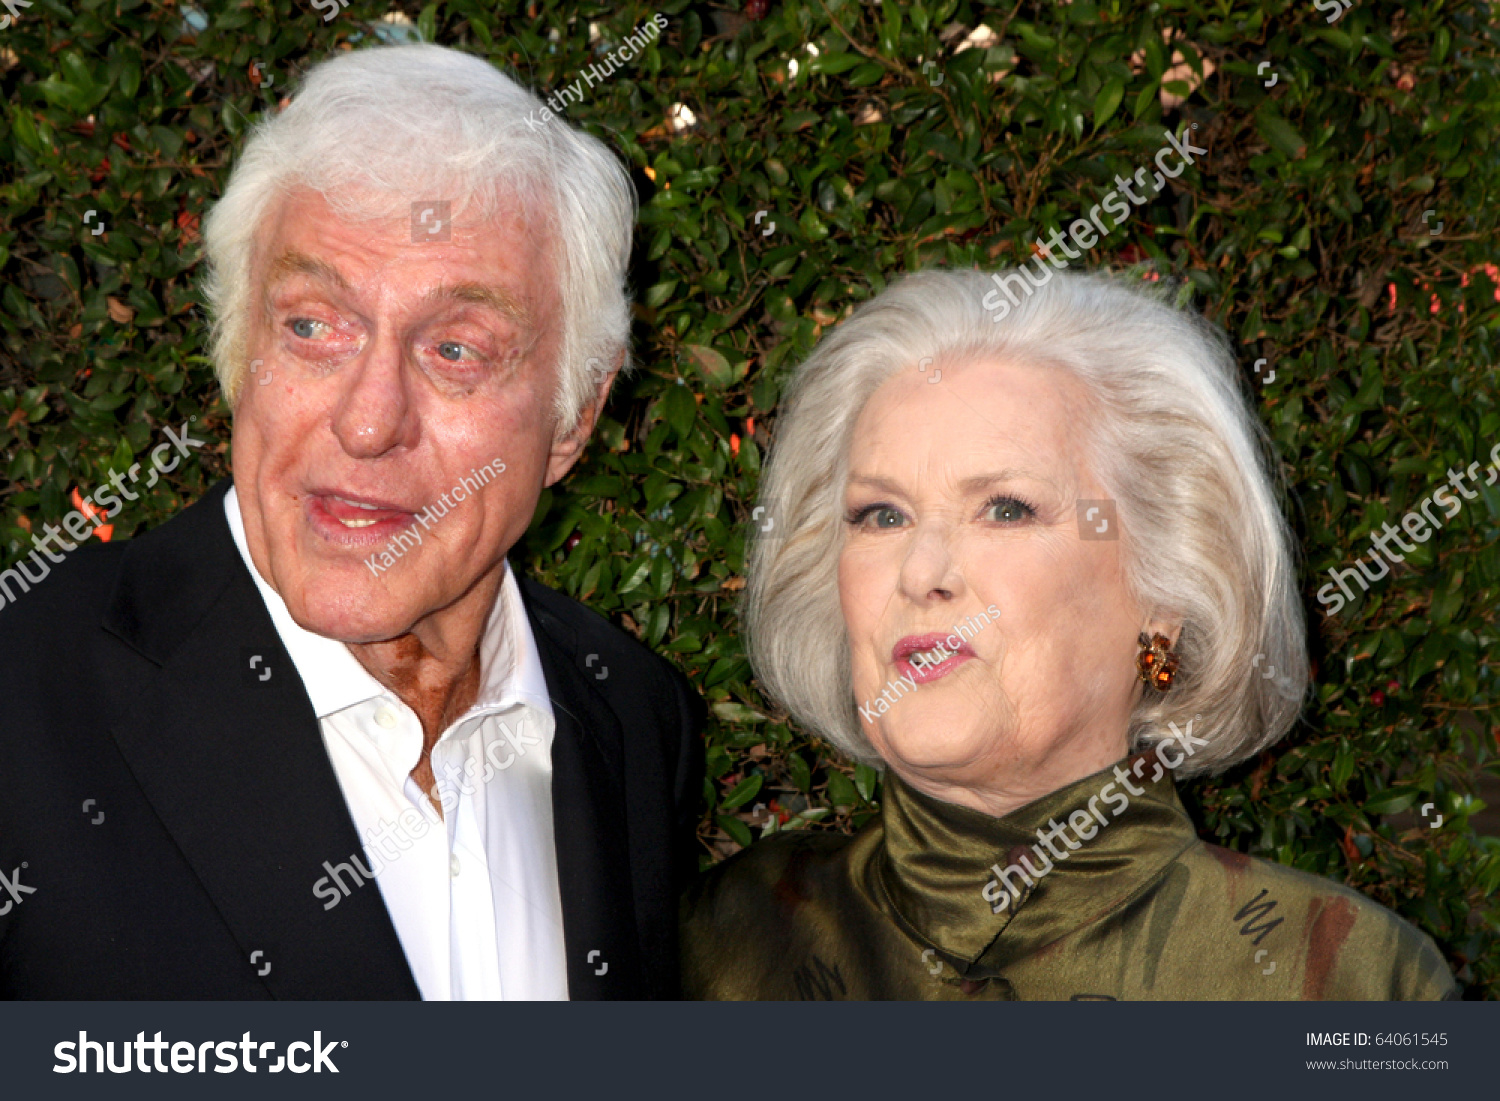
{"points": [[1032, 564]]}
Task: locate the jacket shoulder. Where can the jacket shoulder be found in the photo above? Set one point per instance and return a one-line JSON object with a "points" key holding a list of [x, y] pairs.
{"points": [[1345, 945], [69, 598], [743, 917]]}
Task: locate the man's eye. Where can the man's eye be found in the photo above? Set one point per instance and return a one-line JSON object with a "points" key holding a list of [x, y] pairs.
{"points": [[306, 327], [451, 351]]}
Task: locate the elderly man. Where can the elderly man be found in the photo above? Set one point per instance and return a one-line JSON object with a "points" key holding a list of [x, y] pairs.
{"points": [[327, 744]]}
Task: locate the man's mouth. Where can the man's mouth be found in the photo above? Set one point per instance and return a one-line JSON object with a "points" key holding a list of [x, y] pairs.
{"points": [[925, 658], [348, 518]]}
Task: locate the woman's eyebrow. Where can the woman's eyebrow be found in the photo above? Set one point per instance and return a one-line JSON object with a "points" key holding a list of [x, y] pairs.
{"points": [[872, 481], [980, 482], [975, 483]]}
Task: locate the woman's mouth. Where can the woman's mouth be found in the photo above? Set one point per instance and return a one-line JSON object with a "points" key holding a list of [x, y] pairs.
{"points": [[926, 658]]}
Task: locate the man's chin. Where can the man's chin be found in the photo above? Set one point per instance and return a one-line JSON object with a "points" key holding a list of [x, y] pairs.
{"points": [[354, 614]]}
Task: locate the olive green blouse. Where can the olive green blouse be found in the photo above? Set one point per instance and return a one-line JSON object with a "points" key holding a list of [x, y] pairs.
{"points": [[1142, 909]]}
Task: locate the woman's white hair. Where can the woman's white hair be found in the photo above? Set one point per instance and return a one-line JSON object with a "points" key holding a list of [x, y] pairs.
{"points": [[376, 130], [1173, 441]]}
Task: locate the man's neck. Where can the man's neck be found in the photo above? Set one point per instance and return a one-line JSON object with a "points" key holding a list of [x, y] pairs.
{"points": [[435, 669]]}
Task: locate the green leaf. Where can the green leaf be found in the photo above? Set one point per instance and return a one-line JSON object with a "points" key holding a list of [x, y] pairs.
{"points": [[743, 792], [732, 712], [1390, 801], [679, 408], [1280, 134], [800, 774], [427, 23], [1108, 101], [735, 829], [710, 364], [841, 792]]}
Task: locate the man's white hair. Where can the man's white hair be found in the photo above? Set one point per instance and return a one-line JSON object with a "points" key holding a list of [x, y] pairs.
{"points": [[1174, 443], [378, 129]]}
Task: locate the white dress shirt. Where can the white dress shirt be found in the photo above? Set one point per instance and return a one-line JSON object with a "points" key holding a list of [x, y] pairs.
{"points": [[474, 894]]}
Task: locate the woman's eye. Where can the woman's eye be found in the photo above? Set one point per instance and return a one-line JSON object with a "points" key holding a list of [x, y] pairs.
{"points": [[878, 516], [1007, 510], [451, 351], [306, 327]]}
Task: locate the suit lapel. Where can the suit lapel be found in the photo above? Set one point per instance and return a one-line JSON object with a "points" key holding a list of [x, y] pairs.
{"points": [[589, 822], [232, 760]]}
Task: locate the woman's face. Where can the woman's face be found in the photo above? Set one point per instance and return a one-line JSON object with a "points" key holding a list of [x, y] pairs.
{"points": [[962, 503]]}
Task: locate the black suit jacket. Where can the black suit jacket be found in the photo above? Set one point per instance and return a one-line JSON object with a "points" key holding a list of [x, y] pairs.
{"points": [[166, 811]]}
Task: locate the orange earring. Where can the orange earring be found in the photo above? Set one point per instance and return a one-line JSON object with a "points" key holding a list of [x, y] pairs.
{"points": [[1157, 662]]}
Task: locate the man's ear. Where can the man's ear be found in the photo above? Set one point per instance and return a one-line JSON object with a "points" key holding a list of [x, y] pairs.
{"points": [[567, 448]]}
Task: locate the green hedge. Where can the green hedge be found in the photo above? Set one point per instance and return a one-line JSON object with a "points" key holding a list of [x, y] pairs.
{"points": [[889, 149]]}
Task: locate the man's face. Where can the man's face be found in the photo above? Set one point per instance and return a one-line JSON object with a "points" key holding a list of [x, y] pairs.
{"points": [[386, 372]]}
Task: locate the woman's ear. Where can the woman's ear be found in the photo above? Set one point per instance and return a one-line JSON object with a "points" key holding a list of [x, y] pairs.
{"points": [[1171, 628]]}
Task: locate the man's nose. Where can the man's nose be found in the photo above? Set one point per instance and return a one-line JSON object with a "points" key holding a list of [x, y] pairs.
{"points": [[375, 414]]}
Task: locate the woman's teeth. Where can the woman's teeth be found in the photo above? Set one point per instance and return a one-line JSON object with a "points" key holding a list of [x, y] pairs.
{"points": [[934, 656], [358, 523]]}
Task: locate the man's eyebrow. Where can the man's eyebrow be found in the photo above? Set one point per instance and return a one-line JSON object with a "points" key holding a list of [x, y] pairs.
{"points": [[292, 262], [497, 299]]}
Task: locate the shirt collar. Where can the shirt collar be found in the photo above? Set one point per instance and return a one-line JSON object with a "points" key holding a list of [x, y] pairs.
{"points": [[510, 665], [935, 860]]}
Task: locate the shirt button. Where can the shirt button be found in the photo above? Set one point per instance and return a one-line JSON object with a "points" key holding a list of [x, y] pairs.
{"points": [[453, 865], [385, 717]]}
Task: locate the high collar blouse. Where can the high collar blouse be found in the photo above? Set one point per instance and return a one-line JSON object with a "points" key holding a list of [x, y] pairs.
{"points": [[1111, 896]]}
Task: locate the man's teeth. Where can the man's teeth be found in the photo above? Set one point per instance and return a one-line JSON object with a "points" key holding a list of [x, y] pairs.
{"points": [[358, 523]]}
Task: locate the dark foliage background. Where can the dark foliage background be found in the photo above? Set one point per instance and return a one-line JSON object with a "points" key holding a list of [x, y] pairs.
{"points": [[900, 141]]}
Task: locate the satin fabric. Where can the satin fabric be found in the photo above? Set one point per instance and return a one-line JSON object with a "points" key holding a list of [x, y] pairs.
{"points": [[1124, 903]]}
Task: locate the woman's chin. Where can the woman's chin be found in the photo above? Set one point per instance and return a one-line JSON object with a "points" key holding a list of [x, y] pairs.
{"points": [[925, 749]]}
